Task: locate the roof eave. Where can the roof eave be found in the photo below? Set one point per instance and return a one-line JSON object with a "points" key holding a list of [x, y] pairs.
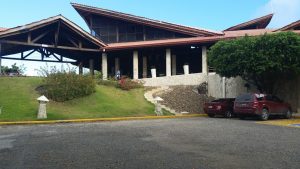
{"points": [[267, 19], [131, 18]]}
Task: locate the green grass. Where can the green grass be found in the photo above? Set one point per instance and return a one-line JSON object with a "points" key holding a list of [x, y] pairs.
{"points": [[18, 102]]}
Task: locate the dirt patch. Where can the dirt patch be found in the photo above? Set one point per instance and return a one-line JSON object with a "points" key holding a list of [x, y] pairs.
{"points": [[183, 99]]}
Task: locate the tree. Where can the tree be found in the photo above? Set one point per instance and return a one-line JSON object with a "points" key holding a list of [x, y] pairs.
{"points": [[13, 69], [261, 61]]}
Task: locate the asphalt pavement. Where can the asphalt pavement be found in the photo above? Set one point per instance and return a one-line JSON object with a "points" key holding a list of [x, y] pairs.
{"points": [[193, 143]]}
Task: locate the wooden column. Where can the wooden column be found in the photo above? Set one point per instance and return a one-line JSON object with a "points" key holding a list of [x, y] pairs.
{"points": [[117, 64], [144, 66], [80, 68], [174, 64], [91, 62]]}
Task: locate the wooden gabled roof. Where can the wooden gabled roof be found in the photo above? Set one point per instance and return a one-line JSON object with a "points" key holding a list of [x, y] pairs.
{"points": [[258, 23], [41, 23], [291, 26], [84, 9]]}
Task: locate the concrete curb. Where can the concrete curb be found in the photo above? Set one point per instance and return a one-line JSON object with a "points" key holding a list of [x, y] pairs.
{"points": [[99, 120]]}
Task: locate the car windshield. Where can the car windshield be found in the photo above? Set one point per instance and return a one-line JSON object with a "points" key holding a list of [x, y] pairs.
{"points": [[245, 98]]}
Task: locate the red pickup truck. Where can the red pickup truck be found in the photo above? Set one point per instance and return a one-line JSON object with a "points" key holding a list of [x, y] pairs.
{"points": [[261, 105], [222, 107]]}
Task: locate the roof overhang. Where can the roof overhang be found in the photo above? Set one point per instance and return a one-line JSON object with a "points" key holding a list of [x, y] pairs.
{"points": [[85, 10], [258, 23], [290, 26], [185, 41]]}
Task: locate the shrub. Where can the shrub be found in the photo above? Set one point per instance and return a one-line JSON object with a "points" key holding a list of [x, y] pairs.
{"points": [[61, 86], [128, 84], [113, 83]]}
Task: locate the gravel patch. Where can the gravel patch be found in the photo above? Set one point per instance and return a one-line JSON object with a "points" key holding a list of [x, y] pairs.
{"points": [[183, 99]]}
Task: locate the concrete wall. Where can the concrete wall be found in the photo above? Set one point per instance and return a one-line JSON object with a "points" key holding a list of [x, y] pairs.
{"points": [[219, 87], [287, 90], [190, 79]]}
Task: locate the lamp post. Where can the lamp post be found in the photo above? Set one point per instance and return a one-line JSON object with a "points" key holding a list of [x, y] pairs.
{"points": [[42, 114]]}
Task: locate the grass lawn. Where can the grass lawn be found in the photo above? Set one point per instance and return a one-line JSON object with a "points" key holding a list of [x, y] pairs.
{"points": [[18, 102]]}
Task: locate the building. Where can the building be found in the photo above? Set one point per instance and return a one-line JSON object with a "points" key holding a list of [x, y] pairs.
{"points": [[159, 53]]}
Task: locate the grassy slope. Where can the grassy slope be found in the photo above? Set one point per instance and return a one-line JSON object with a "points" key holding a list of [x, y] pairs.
{"points": [[18, 99]]}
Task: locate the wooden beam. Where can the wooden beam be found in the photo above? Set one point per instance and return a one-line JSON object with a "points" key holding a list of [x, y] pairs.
{"points": [[71, 40], [40, 37], [22, 56], [9, 58], [80, 45], [29, 37], [57, 34], [49, 46]]}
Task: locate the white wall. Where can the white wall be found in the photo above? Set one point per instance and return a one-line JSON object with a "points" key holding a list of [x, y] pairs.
{"points": [[233, 86], [190, 79]]}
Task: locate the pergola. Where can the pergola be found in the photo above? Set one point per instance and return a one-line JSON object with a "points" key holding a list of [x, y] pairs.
{"points": [[56, 39]]}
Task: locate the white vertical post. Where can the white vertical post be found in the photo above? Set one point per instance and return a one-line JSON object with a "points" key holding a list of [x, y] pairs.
{"points": [[135, 65], [168, 62], [91, 62], [174, 68], [144, 66], [104, 66], [117, 64], [204, 60]]}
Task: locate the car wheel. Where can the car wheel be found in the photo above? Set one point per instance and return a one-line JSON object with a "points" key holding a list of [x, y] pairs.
{"points": [[264, 115], [211, 115], [228, 114], [288, 114]]}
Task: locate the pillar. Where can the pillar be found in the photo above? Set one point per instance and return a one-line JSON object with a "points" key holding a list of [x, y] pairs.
{"points": [[117, 64], [168, 62], [174, 68], [144, 66], [104, 66], [91, 63], [135, 65], [204, 60], [80, 68]]}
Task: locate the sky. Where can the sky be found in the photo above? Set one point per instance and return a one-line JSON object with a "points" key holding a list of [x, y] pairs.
{"points": [[212, 14]]}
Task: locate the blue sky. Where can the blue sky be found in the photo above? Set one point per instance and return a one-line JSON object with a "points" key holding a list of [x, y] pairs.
{"points": [[212, 14]]}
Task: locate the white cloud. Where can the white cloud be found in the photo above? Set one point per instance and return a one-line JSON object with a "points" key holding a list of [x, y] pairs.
{"points": [[285, 12]]}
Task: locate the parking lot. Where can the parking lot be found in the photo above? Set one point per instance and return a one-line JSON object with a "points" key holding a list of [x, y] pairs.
{"points": [[195, 143]]}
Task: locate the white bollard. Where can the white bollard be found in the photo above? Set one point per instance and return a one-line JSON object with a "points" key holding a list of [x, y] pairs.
{"points": [[186, 69], [153, 73], [42, 114]]}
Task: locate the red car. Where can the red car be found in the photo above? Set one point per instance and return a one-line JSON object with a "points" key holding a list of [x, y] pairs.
{"points": [[222, 107], [261, 105]]}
